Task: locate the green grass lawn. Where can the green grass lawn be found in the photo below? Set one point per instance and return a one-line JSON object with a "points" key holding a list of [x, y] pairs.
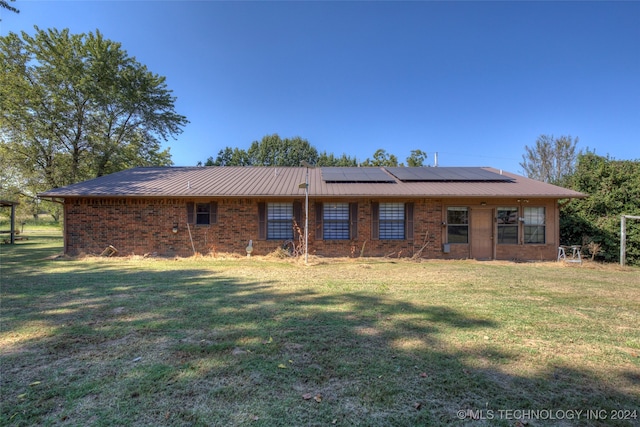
{"points": [[261, 341]]}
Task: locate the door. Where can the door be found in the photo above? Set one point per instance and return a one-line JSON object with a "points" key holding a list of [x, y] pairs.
{"points": [[481, 234]]}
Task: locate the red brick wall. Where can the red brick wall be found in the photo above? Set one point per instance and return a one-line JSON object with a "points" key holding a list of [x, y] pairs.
{"points": [[144, 226]]}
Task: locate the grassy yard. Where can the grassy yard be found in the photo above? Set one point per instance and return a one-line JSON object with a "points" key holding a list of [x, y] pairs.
{"points": [[262, 342]]}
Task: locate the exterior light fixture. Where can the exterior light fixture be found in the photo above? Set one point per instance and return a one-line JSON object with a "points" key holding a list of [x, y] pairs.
{"points": [[175, 228]]}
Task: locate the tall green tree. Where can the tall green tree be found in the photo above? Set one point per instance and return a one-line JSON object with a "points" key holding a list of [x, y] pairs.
{"points": [[613, 187], [275, 151], [416, 158], [76, 106], [551, 159], [230, 157], [381, 158], [271, 150]]}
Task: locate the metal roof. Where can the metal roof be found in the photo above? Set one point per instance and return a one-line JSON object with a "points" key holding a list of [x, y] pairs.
{"points": [[284, 182]]}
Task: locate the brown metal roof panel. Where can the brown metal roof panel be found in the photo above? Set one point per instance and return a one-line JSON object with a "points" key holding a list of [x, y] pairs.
{"points": [[284, 182], [254, 181]]}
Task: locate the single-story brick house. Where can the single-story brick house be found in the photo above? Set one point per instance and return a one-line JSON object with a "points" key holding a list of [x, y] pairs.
{"points": [[438, 212]]}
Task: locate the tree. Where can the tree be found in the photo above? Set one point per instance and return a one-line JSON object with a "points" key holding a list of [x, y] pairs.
{"points": [[74, 107], [270, 151], [613, 187], [325, 159], [381, 158], [551, 160], [230, 157], [5, 5], [275, 151], [416, 158]]}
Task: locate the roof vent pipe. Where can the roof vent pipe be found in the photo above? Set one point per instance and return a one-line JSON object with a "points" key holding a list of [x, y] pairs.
{"points": [[435, 159]]}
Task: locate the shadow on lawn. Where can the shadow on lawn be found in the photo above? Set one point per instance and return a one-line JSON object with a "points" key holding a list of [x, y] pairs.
{"points": [[193, 347], [28, 251]]}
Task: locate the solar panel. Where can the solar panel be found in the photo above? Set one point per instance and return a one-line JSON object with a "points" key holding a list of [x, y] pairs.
{"points": [[441, 174], [355, 174]]}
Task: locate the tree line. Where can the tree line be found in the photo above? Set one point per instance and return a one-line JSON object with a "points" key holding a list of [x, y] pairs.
{"points": [[272, 150]]}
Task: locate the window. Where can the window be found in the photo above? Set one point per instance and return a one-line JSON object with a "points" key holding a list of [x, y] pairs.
{"points": [[534, 227], [202, 213], [457, 225], [276, 220], [280, 221], [335, 221], [508, 225], [391, 220]]}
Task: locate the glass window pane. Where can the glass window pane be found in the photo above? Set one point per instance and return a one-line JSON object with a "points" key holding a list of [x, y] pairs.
{"points": [[508, 234], [457, 215], [457, 225], [534, 229], [335, 221], [507, 219], [534, 216], [507, 216], [336, 211], [534, 234], [458, 234], [202, 213], [391, 221], [280, 221]]}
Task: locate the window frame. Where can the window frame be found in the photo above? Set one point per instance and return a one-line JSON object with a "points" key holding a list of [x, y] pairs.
{"points": [[503, 225], [408, 221], [458, 225], [337, 228], [279, 227], [532, 222], [206, 217], [352, 222], [392, 219], [296, 219]]}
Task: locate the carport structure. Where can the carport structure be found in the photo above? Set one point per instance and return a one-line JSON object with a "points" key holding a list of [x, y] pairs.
{"points": [[12, 230]]}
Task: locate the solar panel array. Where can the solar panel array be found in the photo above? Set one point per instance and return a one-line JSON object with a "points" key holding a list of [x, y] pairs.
{"points": [[427, 174], [355, 174], [407, 174]]}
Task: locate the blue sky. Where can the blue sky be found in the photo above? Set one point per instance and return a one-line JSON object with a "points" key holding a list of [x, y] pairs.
{"points": [[473, 81]]}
